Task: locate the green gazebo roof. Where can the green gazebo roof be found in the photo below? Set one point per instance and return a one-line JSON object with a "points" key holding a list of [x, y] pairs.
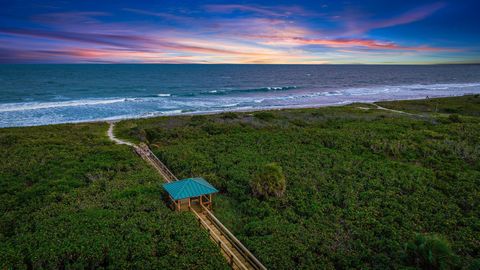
{"points": [[190, 187]]}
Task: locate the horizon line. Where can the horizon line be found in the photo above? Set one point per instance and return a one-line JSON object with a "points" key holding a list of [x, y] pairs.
{"points": [[251, 64]]}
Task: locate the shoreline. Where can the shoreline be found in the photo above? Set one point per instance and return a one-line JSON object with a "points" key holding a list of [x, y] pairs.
{"points": [[309, 106]]}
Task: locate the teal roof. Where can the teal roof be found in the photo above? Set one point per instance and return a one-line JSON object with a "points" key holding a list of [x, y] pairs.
{"points": [[190, 187]]}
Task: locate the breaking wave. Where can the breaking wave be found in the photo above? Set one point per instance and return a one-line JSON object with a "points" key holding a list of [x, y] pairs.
{"points": [[237, 91], [12, 107], [89, 109]]}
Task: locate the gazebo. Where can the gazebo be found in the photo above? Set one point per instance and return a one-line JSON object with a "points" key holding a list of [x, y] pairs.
{"points": [[191, 191]]}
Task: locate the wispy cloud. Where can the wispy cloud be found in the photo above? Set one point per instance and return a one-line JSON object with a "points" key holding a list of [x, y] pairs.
{"points": [[358, 24], [145, 48], [163, 15], [93, 38], [70, 18], [266, 11], [235, 33], [350, 43]]}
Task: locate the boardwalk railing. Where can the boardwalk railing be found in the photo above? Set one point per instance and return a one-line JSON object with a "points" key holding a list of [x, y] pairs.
{"points": [[252, 260], [233, 260], [148, 155], [243, 259]]}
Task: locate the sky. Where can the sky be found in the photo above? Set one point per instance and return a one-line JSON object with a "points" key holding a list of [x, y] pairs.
{"points": [[243, 32]]}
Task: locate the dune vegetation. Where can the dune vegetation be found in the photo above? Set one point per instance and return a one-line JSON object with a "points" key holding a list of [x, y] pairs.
{"points": [[364, 188], [71, 199], [338, 187]]}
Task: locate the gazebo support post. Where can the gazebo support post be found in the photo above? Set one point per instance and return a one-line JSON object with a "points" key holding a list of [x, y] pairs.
{"points": [[193, 189]]}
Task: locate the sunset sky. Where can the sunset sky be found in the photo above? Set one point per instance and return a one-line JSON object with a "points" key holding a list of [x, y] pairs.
{"points": [[247, 32]]}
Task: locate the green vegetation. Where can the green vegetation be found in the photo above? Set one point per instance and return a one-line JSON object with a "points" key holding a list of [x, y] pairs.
{"points": [[229, 115], [430, 252], [360, 183], [466, 105], [264, 115], [70, 199], [269, 181]]}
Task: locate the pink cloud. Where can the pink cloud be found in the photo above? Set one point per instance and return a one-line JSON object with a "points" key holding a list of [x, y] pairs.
{"points": [[266, 36], [147, 43], [350, 43], [358, 25]]}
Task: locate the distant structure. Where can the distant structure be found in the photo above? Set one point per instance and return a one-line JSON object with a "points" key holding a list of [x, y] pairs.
{"points": [[190, 192]]}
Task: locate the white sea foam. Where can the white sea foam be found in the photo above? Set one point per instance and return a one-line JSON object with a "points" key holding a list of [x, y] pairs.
{"points": [[172, 112], [12, 107], [11, 114], [228, 105]]}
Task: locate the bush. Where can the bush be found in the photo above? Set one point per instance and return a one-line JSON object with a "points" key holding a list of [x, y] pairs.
{"points": [[430, 252], [451, 110], [454, 118], [269, 181], [229, 115], [265, 116], [475, 265], [197, 120]]}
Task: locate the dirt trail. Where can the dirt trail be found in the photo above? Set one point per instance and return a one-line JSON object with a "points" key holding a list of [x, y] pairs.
{"points": [[395, 111], [378, 107], [112, 137]]}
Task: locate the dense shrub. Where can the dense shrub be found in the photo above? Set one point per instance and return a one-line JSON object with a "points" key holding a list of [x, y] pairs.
{"points": [[265, 116], [269, 181], [229, 115], [430, 252], [454, 118]]}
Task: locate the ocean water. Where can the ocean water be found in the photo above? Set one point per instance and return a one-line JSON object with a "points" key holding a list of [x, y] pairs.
{"points": [[48, 94]]}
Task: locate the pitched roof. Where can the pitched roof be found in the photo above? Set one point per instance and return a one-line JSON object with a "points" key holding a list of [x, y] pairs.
{"points": [[190, 187]]}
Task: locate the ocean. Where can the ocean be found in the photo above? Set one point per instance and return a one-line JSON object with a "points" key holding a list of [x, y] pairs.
{"points": [[49, 94]]}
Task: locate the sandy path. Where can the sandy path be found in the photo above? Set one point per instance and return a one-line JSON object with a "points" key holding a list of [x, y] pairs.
{"points": [[112, 137], [378, 107], [395, 111]]}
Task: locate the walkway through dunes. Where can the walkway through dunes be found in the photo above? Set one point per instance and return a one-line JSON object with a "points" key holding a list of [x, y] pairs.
{"points": [[143, 151], [112, 137], [237, 255]]}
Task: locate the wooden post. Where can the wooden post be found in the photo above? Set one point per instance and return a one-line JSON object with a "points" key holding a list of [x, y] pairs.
{"points": [[189, 204], [210, 199], [178, 204], [201, 202]]}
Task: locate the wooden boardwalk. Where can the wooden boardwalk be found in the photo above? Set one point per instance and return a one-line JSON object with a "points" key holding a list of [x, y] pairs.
{"points": [[237, 255], [143, 151]]}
